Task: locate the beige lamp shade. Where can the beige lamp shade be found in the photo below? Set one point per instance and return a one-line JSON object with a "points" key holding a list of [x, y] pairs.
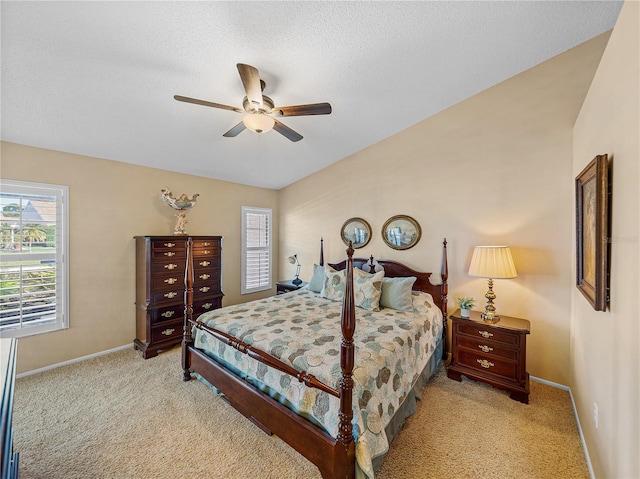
{"points": [[492, 262]]}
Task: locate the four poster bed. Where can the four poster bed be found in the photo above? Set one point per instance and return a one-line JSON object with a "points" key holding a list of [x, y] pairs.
{"points": [[294, 366]]}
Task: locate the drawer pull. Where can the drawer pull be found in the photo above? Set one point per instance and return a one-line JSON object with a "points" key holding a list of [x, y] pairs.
{"points": [[204, 276], [204, 263], [204, 289], [171, 295], [206, 251], [207, 305], [485, 334], [171, 266], [171, 280], [169, 245], [168, 332], [168, 314], [484, 363], [169, 254], [484, 348], [206, 243]]}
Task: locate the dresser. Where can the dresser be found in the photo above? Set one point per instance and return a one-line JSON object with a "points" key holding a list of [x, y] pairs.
{"points": [[494, 353], [160, 268]]}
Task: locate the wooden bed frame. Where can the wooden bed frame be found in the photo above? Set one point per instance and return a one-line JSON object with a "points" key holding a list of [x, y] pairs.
{"points": [[335, 457]]}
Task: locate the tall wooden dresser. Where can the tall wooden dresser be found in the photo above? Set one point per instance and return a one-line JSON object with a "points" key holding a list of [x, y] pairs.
{"points": [[160, 267]]}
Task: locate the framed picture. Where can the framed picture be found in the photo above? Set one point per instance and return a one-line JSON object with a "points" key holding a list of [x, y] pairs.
{"points": [[592, 232], [401, 232], [357, 231]]}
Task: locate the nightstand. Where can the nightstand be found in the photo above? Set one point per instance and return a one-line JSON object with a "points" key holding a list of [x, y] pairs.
{"points": [[494, 353], [287, 286]]}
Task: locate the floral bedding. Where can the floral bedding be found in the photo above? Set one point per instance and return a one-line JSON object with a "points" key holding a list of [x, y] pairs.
{"points": [[303, 329]]}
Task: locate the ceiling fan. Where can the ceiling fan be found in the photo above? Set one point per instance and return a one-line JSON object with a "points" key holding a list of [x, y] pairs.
{"points": [[260, 110]]}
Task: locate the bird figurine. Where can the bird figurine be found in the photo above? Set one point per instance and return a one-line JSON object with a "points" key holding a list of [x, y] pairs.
{"points": [[181, 205]]}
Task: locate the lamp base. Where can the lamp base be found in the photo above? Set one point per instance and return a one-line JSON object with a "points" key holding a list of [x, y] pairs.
{"points": [[297, 281], [490, 317]]}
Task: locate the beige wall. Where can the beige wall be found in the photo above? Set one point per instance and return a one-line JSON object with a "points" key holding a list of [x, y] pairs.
{"points": [[605, 358], [109, 203], [494, 169]]}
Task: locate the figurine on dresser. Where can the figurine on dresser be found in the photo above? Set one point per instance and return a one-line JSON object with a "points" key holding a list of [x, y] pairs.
{"points": [[181, 205]]}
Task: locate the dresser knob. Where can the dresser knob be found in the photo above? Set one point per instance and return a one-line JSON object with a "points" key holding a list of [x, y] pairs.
{"points": [[485, 349], [169, 245], [169, 254], [205, 276], [207, 305], [206, 243], [206, 251], [168, 314], [170, 295], [485, 334], [171, 266], [168, 332], [171, 280], [204, 289], [204, 263], [484, 363]]}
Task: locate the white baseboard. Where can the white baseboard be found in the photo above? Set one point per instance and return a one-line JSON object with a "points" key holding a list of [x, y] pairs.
{"points": [[575, 413], [72, 361]]}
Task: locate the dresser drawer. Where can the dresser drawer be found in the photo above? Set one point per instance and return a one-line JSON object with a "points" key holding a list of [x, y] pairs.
{"points": [[173, 295], [164, 282], [168, 266], [488, 347], [179, 254], [488, 364], [205, 243], [481, 331], [168, 313], [206, 305], [167, 331]]}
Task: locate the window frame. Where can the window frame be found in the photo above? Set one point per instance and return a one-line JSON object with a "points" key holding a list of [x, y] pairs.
{"points": [[246, 210], [61, 193]]}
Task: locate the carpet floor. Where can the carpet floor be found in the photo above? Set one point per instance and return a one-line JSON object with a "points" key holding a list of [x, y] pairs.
{"points": [[121, 417]]}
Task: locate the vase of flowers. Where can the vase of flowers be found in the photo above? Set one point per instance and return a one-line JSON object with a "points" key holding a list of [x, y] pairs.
{"points": [[465, 304]]}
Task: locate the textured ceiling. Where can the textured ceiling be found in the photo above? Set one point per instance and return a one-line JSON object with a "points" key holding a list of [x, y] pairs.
{"points": [[98, 78]]}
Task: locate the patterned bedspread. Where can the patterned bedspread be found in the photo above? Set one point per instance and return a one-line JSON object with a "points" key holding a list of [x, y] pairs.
{"points": [[302, 329]]}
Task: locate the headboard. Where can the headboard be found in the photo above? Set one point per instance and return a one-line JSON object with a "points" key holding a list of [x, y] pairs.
{"points": [[394, 269]]}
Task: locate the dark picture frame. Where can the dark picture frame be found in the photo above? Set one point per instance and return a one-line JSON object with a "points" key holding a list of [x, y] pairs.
{"points": [[357, 231], [401, 232], [592, 232]]}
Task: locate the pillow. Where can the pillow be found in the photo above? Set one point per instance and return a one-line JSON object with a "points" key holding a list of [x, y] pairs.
{"points": [[367, 289], [317, 280], [396, 293], [334, 284]]}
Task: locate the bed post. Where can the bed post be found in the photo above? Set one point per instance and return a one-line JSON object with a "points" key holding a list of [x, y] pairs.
{"points": [[347, 354], [187, 340], [321, 251], [444, 291]]}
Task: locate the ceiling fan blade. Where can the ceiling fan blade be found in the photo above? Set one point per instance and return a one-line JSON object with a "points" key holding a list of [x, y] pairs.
{"points": [[239, 128], [251, 82], [206, 103], [300, 110], [286, 131]]}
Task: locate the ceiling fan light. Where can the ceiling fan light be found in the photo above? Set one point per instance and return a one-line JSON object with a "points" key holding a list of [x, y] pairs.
{"points": [[258, 122]]}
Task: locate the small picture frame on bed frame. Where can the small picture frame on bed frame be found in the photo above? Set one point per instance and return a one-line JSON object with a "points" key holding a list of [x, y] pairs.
{"points": [[592, 232]]}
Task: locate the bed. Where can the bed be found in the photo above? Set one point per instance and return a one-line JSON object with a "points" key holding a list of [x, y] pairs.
{"points": [[295, 367]]}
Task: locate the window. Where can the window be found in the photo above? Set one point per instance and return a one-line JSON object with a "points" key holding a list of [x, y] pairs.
{"points": [[256, 249], [34, 294]]}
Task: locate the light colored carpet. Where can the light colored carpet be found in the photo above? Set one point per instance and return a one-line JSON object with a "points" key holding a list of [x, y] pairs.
{"points": [[119, 416]]}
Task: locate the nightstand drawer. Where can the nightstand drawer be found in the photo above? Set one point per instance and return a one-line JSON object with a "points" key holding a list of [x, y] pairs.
{"points": [[481, 331], [488, 364], [488, 347]]}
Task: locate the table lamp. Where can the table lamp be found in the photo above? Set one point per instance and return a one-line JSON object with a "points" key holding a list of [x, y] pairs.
{"points": [[294, 260], [493, 262]]}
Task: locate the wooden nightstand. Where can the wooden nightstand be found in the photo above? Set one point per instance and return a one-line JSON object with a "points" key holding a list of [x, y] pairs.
{"points": [[287, 286], [494, 353]]}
